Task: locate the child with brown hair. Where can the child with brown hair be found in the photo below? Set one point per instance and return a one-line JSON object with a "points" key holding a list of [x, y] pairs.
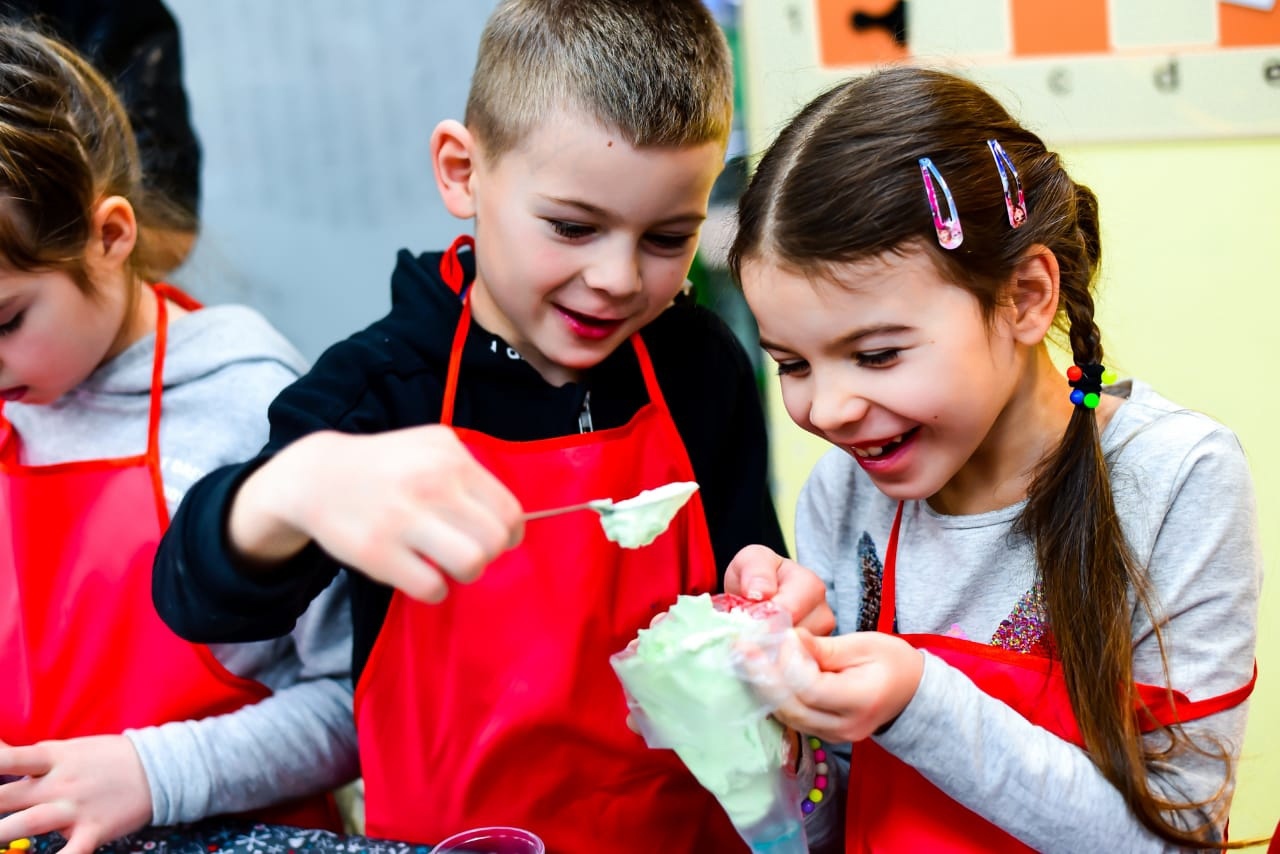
{"points": [[1045, 586], [550, 361], [119, 391]]}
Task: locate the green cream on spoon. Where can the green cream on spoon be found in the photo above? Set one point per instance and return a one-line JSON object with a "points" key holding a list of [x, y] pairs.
{"points": [[638, 521]]}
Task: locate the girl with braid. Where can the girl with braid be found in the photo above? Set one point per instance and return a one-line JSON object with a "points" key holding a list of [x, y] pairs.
{"points": [[1045, 586]]}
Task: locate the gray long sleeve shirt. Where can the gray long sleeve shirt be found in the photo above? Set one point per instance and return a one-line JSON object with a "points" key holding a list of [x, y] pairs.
{"points": [[1185, 499], [223, 366]]}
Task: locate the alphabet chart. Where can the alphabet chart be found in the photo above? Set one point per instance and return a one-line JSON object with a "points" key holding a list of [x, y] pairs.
{"points": [[1074, 70]]}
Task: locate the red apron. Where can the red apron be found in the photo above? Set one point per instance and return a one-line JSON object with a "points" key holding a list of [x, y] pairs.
{"points": [[892, 807], [499, 706], [81, 647]]}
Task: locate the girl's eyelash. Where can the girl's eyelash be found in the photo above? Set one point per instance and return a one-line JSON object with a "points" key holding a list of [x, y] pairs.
{"points": [[12, 325], [879, 357], [670, 241], [786, 368], [570, 230]]}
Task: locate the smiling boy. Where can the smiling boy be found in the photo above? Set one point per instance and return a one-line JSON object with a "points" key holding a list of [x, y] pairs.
{"points": [[552, 361]]}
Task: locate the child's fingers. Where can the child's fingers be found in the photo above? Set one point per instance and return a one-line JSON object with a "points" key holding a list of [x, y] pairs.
{"points": [[825, 724], [461, 549], [477, 536], [16, 796], [804, 596], [411, 573], [778, 670], [753, 573], [81, 843], [36, 820], [834, 654], [499, 503], [27, 761]]}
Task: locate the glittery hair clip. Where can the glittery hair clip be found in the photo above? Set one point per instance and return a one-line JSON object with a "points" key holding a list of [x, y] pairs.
{"points": [[950, 234], [1014, 202], [1087, 382]]}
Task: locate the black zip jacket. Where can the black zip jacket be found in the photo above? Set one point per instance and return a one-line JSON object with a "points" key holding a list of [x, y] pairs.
{"points": [[391, 375]]}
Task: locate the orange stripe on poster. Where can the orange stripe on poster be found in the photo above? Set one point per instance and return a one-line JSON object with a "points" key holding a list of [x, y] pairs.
{"points": [[1041, 27], [860, 32], [1239, 26]]}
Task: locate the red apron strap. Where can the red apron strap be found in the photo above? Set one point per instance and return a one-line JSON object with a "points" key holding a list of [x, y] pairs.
{"points": [[451, 268], [651, 386], [157, 378], [455, 362], [177, 296], [460, 338], [1158, 706], [888, 601], [163, 293]]}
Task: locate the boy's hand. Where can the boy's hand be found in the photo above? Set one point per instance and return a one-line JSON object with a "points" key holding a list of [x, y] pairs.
{"points": [[91, 790], [404, 507], [757, 572], [866, 680]]}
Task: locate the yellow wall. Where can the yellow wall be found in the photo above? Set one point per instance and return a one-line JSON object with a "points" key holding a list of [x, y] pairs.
{"points": [[1188, 300]]}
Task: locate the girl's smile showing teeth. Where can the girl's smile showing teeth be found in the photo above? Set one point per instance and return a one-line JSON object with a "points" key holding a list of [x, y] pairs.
{"points": [[871, 452]]}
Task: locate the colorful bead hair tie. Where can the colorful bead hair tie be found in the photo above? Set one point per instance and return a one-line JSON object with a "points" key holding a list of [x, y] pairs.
{"points": [[1087, 382], [820, 782]]}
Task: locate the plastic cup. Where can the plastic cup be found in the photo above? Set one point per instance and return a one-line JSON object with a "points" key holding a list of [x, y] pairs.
{"points": [[492, 840]]}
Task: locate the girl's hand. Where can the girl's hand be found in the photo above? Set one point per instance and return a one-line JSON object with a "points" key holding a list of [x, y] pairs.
{"points": [[757, 572], [407, 508], [866, 680], [92, 790]]}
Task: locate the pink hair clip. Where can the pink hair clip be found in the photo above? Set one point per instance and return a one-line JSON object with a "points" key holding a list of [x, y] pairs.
{"points": [[950, 234], [1017, 210]]}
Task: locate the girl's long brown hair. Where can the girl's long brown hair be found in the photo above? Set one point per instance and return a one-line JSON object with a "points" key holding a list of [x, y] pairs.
{"points": [[65, 144], [842, 183]]}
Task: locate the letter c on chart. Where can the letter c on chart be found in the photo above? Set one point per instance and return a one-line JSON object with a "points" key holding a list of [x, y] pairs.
{"points": [[1060, 81]]}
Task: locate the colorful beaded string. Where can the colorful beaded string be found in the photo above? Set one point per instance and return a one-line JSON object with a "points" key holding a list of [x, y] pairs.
{"points": [[17, 846], [819, 789]]}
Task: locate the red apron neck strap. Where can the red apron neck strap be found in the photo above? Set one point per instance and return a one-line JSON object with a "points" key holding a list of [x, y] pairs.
{"points": [[451, 269], [453, 274], [646, 370], [177, 296], [162, 292], [888, 601], [455, 361]]}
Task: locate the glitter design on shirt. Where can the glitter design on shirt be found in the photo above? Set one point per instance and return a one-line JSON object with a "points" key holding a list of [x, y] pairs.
{"points": [[872, 575], [1024, 630]]}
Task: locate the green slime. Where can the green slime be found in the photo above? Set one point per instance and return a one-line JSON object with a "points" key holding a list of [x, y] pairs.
{"points": [[682, 676], [638, 521]]}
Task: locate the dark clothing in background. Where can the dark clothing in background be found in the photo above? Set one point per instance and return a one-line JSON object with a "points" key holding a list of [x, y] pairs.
{"points": [[135, 44]]}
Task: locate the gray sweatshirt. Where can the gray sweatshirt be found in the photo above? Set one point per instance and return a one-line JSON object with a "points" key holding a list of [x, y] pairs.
{"points": [[223, 366], [1185, 499]]}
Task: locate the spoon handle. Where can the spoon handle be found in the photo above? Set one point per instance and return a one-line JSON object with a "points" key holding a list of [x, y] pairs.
{"points": [[556, 511]]}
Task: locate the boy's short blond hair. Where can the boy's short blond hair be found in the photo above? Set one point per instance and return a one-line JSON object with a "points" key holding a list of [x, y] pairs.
{"points": [[657, 71]]}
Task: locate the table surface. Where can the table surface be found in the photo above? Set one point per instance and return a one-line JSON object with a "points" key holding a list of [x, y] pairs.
{"points": [[231, 837]]}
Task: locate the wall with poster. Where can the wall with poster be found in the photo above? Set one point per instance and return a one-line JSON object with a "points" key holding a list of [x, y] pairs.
{"points": [[1088, 70], [1170, 111]]}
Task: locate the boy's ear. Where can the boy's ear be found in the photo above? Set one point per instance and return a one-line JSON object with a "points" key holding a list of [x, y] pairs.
{"points": [[114, 233], [1033, 294], [454, 157]]}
